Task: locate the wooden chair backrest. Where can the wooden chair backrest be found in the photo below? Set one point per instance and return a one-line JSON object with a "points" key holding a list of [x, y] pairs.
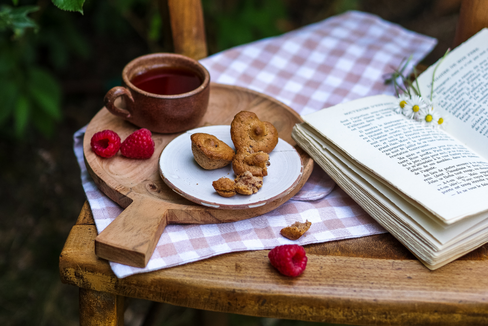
{"points": [[187, 27], [473, 16]]}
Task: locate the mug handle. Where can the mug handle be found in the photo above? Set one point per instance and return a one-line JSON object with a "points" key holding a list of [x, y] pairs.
{"points": [[110, 98]]}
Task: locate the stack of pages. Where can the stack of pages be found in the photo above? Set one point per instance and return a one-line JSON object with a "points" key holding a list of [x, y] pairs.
{"points": [[427, 186]]}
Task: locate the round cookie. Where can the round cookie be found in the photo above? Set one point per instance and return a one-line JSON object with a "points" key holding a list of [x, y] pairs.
{"points": [[210, 152], [251, 134]]}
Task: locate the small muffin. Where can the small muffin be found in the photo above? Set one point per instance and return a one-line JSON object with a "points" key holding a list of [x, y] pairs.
{"points": [[252, 135], [225, 187], [247, 184], [296, 230], [210, 152], [256, 163]]}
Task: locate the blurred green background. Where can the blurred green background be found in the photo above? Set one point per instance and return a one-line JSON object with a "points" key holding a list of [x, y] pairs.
{"points": [[55, 67]]}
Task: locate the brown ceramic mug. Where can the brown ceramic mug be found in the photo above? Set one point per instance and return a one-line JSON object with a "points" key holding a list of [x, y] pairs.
{"points": [[163, 92]]}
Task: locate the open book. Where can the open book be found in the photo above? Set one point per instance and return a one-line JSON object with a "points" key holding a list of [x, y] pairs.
{"points": [[427, 186]]}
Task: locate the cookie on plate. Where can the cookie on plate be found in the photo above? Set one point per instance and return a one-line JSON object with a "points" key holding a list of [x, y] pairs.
{"points": [[225, 187], [256, 163], [210, 152], [247, 184], [252, 135]]}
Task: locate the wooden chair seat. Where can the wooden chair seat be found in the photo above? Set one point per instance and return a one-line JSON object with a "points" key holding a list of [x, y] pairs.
{"points": [[370, 280]]}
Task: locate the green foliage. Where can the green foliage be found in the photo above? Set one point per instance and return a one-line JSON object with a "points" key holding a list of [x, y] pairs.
{"points": [[16, 19], [345, 5], [155, 27], [239, 22], [70, 5], [31, 95]]}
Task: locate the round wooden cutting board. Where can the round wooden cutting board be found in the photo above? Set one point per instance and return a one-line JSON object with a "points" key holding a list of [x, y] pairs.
{"points": [[149, 203]]}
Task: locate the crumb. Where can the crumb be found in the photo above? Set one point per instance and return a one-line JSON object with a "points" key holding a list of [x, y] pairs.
{"points": [[296, 230], [247, 184], [225, 187]]}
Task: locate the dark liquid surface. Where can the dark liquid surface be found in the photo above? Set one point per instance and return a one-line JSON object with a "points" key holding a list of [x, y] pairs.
{"points": [[167, 81]]}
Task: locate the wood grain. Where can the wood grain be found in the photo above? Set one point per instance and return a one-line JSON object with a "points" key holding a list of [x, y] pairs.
{"points": [[150, 204], [339, 285], [101, 308], [473, 17], [187, 26], [132, 243]]}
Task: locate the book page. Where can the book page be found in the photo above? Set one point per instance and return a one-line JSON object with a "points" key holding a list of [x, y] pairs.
{"points": [[418, 223], [461, 90], [437, 173], [437, 235]]}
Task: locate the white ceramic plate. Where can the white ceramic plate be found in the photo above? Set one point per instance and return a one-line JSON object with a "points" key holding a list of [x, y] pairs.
{"points": [[181, 172]]}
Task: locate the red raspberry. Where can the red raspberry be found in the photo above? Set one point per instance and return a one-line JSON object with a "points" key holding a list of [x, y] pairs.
{"points": [[105, 143], [289, 260], [138, 145]]}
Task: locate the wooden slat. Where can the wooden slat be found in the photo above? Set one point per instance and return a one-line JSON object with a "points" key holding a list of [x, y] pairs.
{"points": [[188, 28], [333, 288], [473, 16]]}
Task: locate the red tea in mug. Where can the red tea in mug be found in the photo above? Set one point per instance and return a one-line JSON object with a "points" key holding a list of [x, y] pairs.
{"points": [[167, 81]]}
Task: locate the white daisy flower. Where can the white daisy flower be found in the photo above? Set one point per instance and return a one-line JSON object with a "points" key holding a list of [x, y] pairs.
{"points": [[438, 120], [401, 103], [414, 107], [426, 113], [427, 116]]}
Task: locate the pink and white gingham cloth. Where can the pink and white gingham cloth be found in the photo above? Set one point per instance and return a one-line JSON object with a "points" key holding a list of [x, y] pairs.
{"points": [[339, 59]]}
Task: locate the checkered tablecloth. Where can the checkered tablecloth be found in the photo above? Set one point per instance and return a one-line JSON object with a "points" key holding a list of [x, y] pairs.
{"points": [[336, 60]]}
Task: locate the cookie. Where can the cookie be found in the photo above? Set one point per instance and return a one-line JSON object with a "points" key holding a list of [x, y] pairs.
{"points": [[225, 187], [256, 163], [247, 184], [251, 134], [210, 152], [296, 230]]}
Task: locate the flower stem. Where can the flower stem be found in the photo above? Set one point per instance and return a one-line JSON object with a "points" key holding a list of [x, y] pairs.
{"points": [[433, 73]]}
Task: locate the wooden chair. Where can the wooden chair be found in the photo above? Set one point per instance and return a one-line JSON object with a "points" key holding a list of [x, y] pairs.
{"points": [[473, 16], [371, 280], [187, 26]]}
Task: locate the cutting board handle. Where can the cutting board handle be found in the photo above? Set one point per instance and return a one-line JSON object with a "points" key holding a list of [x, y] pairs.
{"points": [[131, 238]]}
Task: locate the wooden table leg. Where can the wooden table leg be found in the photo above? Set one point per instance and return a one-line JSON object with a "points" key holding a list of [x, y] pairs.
{"points": [[101, 308]]}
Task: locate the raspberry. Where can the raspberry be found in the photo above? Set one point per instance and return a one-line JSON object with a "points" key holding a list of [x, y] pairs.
{"points": [[138, 145], [105, 143], [289, 260]]}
